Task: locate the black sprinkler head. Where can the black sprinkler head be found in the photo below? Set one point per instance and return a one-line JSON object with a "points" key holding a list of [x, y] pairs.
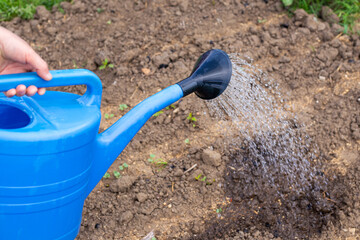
{"points": [[210, 76]]}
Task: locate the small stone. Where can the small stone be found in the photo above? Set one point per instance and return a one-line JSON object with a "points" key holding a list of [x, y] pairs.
{"points": [[78, 35], [122, 71], [336, 28], [178, 172], [311, 23], [42, 12], [146, 71], [66, 6], [126, 217], [131, 54], [328, 15], [162, 59], [284, 59], [122, 184], [255, 40], [100, 56], [51, 31], [322, 78], [352, 231], [141, 197], [300, 14], [180, 67], [78, 7], [211, 157], [184, 5]]}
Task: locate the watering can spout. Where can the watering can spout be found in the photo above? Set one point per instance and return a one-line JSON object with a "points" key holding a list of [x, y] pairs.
{"points": [[210, 77]]}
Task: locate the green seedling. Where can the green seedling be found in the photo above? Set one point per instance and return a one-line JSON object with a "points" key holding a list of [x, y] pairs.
{"points": [[262, 20], [121, 168], [187, 141], [117, 174], [287, 3], [106, 64], [107, 175], [171, 106], [108, 22], [191, 119], [125, 165], [74, 64], [108, 116], [157, 161], [99, 10], [203, 179], [158, 113], [122, 107], [219, 210], [153, 238]]}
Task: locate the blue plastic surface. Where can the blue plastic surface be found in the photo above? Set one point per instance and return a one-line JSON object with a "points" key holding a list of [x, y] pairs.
{"points": [[51, 155]]}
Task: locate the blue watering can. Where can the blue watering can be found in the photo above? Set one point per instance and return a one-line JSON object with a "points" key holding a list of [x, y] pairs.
{"points": [[51, 155]]}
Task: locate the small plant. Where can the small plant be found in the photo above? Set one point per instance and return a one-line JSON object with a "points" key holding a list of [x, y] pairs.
{"points": [[158, 113], [191, 119], [157, 161], [153, 238], [108, 116], [117, 174], [107, 175], [202, 178], [106, 64], [261, 21], [187, 141], [121, 168], [219, 210], [122, 107], [125, 165], [171, 106], [99, 10], [108, 22]]}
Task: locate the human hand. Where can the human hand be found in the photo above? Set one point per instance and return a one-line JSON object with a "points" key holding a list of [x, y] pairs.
{"points": [[16, 56]]}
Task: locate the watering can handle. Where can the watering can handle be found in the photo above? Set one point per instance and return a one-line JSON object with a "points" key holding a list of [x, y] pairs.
{"points": [[60, 78]]}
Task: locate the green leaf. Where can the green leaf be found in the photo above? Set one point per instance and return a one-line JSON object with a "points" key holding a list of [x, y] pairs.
{"points": [[198, 177], [150, 160], [152, 155], [107, 116], [111, 65], [203, 179], [187, 141], [122, 107], [102, 67], [117, 174], [121, 168], [108, 22], [125, 165], [111, 115], [287, 3], [158, 113], [219, 210], [107, 175]]}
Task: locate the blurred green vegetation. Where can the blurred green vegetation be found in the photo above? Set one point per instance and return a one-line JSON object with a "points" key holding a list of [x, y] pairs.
{"points": [[24, 9], [347, 10]]}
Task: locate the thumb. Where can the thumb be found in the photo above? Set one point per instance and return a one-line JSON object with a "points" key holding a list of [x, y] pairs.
{"points": [[39, 65]]}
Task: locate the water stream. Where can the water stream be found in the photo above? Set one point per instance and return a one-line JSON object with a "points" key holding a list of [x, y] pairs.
{"points": [[278, 150]]}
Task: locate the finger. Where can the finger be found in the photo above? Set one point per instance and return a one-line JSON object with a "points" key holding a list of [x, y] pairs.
{"points": [[41, 91], [31, 91], [10, 93], [20, 90], [38, 64]]}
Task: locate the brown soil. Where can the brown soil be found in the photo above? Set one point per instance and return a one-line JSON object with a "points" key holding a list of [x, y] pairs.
{"points": [[154, 44]]}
